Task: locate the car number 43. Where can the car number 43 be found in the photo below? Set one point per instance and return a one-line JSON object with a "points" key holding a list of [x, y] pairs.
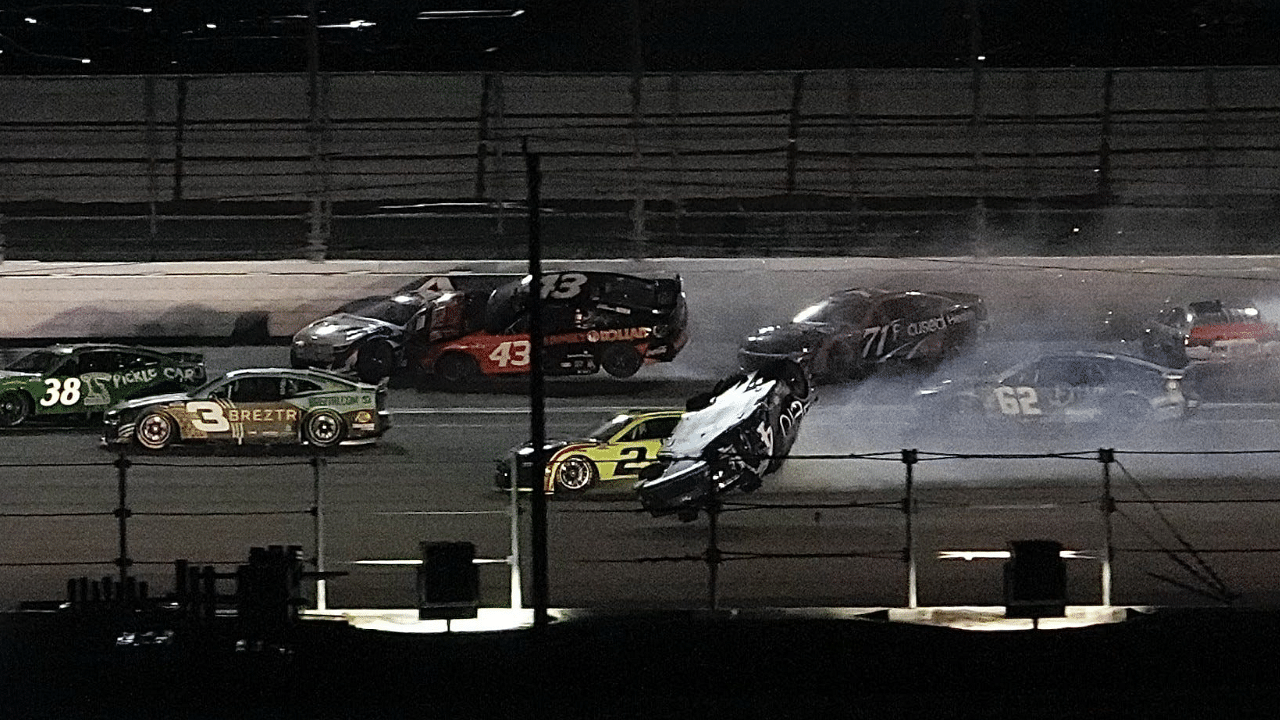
{"points": [[1017, 400], [511, 352]]}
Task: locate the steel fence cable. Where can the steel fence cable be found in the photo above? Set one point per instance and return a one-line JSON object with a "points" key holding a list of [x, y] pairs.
{"points": [[1217, 582], [1174, 556]]}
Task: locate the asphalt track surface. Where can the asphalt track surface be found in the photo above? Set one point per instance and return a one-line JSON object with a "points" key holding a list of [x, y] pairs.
{"points": [[827, 530]]}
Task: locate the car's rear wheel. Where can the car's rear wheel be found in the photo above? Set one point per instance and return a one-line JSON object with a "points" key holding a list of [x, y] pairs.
{"points": [[323, 428], [620, 360], [375, 362], [155, 431], [575, 474], [15, 407], [456, 367]]}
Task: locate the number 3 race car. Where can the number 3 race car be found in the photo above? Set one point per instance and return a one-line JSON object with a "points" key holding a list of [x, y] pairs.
{"points": [[86, 379], [258, 405], [591, 321], [729, 438], [615, 451]]}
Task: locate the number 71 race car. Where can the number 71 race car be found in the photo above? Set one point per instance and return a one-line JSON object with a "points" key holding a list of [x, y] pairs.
{"points": [[258, 405]]}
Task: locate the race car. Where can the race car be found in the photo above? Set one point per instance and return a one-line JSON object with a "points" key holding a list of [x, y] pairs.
{"points": [[255, 406], [615, 451], [731, 437], [1209, 330], [1070, 387], [367, 337], [87, 378], [591, 321], [851, 333]]}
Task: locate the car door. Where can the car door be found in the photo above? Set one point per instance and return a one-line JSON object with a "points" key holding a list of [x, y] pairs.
{"points": [[634, 447], [253, 410]]}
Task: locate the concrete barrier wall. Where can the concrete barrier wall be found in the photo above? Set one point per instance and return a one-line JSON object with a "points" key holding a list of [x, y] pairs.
{"points": [[1126, 133], [1029, 298]]}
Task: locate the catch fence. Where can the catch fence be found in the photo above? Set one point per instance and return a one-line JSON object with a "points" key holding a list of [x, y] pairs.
{"points": [[910, 543]]}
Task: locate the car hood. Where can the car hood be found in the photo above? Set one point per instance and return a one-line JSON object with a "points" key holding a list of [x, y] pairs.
{"points": [[550, 445], [340, 329], [16, 374], [697, 429], [149, 401], [786, 339]]}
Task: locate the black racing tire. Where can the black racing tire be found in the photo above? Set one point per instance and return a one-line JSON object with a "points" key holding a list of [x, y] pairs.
{"points": [[687, 514], [576, 473], [456, 367], [155, 431], [1127, 411], [375, 362], [15, 407], [620, 360], [323, 429]]}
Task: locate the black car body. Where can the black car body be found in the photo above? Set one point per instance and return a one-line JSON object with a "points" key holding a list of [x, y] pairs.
{"points": [[1208, 330], [851, 333], [1064, 388], [367, 338], [729, 438]]}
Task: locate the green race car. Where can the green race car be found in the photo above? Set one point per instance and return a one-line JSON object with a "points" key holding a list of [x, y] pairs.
{"points": [[255, 406], [86, 379]]}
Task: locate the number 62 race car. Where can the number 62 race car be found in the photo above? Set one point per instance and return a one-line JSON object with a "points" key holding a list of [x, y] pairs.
{"points": [[258, 405]]}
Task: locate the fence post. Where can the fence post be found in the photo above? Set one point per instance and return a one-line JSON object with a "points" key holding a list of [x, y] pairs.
{"points": [[1107, 505], [712, 555], [317, 530], [122, 514], [909, 458]]}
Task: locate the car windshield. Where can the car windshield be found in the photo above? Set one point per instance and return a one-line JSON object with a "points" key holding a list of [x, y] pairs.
{"points": [[609, 428], [396, 310], [40, 361], [833, 310]]}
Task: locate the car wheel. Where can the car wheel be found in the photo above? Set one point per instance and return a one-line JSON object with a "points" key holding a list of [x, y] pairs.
{"points": [[620, 360], [688, 514], [155, 431], [375, 362], [1128, 410], [456, 367], [14, 408], [323, 428], [575, 474]]}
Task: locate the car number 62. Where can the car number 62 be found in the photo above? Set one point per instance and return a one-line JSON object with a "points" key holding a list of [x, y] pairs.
{"points": [[1017, 401]]}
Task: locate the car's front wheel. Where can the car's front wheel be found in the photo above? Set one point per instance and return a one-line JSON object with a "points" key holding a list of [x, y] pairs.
{"points": [[620, 360], [575, 474], [155, 431], [15, 407], [323, 428], [456, 367], [375, 362]]}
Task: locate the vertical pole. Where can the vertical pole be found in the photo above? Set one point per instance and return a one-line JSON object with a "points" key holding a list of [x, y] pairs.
{"points": [[122, 514], [517, 600], [317, 530], [1106, 456], [909, 458], [537, 399], [713, 556]]}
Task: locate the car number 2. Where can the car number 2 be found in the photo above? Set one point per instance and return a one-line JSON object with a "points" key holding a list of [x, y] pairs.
{"points": [[1017, 401], [511, 352]]}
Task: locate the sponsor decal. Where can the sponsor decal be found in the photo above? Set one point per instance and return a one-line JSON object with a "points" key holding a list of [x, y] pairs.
{"points": [[637, 333], [363, 417]]}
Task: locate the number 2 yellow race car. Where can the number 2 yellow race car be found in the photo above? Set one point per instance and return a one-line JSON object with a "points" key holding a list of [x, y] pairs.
{"points": [[258, 405], [615, 451]]}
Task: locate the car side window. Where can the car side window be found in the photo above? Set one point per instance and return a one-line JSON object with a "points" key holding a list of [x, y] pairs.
{"points": [[131, 361], [255, 389], [1060, 372], [293, 387], [99, 361], [655, 429]]}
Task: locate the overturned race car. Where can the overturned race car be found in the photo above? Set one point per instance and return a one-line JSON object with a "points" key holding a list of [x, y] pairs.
{"points": [[729, 438]]}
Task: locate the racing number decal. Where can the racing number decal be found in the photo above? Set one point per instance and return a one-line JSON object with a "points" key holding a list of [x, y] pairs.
{"points": [[563, 286], [1017, 401], [61, 392], [511, 352], [207, 415], [632, 467]]}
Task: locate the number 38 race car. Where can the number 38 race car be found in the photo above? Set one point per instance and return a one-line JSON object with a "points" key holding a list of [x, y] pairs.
{"points": [[85, 379], [258, 405]]}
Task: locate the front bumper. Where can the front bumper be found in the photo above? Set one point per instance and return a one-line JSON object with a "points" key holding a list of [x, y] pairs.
{"points": [[688, 487]]}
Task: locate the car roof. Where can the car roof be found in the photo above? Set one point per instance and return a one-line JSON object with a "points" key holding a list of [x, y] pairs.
{"points": [[64, 348], [305, 373], [1102, 355]]}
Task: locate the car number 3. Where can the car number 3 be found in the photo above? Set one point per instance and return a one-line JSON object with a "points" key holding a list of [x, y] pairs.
{"points": [[61, 392], [1017, 401], [511, 352], [207, 415]]}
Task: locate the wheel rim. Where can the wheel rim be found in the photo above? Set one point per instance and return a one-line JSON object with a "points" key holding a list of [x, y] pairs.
{"points": [[455, 368], [574, 474], [324, 429], [155, 431], [13, 409]]}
